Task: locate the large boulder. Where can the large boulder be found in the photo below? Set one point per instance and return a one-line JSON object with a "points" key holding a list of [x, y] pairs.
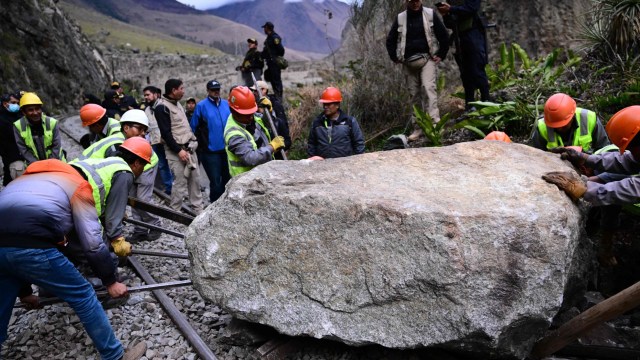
{"points": [[461, 246]]}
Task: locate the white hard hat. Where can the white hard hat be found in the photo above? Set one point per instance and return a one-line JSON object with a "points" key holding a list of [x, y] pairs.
{"points": [[135, 116]]}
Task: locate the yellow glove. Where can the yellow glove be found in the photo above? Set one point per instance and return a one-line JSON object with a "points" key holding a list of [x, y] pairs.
{"points": [[121, 247], [277, 143], [567, 182], [266, 103]]}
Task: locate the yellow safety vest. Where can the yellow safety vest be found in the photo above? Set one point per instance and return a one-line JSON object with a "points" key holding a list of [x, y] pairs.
{"points": [[236, 166], [48, 123], [587, 121], [99, 173], [98, 150]]}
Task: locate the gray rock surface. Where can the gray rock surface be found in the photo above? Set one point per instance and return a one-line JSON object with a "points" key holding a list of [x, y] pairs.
{"points": [[43, 51], [461, 246]]}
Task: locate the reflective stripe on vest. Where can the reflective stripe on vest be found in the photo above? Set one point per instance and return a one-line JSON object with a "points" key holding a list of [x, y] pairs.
{"points": [[586, 120], [99, 173], [48, 123], [608, 148], [236, 165], [98, 150], [113, 127]]}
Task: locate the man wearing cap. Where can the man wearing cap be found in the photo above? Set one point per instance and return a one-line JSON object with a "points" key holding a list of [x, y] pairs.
{"points": [[272, 49], [11, 158], [277, 104], [208, 123], [127, 102], [189, 107], [180, 146], [419, 41], [36, 134], [252, 63]]}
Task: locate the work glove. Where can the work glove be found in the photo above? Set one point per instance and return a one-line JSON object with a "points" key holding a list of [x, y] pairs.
{"points": [[568, 182], [121, 247], [277, 143], [575, 157], [265, 103]]}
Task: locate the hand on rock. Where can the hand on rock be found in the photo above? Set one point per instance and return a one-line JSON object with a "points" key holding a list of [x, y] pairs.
{"points": [[567, 182]]}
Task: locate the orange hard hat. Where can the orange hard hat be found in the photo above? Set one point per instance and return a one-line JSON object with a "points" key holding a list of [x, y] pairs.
{"points": [[498, 136], [91, 114], [241, 100], [138, 146], [559, 110], [623, 126], [331, 95]]}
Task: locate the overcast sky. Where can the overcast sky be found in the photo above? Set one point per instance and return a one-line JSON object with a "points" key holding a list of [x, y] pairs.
{"points": [[211, 4]]}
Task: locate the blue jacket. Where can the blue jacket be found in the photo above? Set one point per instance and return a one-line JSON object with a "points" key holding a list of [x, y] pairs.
{"points": [[208, 122]]}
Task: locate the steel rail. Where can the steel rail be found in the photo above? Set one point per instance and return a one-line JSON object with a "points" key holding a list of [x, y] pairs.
{"points": [[199, 346], [153, 227], [159, 253], [160, 211], [161, 194]]}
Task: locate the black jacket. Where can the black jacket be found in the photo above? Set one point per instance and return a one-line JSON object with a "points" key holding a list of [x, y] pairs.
{"points": [[333, 139], [8, 148], [272, 47], [416, 43]]}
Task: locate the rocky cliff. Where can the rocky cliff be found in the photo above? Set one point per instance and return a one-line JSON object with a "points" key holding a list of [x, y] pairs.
{"points": [[43, 51]]}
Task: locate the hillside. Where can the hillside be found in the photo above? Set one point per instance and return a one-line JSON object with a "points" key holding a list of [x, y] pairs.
{"points": [[109, 32], [168, 18], [305, 25], [43, 51]]}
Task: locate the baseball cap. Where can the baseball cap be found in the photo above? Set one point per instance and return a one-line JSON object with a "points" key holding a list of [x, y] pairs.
{"points": [[261, 85], [115, 85], [191, 99], [252, 41], [213, 84], [268, 24]]}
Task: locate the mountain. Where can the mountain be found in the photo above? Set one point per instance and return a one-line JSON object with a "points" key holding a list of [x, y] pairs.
{"points": [[306, 25], [169, 17]]}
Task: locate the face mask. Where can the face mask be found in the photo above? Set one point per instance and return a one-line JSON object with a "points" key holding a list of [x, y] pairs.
{"points": [[14, 108]]}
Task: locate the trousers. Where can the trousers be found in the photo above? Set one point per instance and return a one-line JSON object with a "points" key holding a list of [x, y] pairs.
{"points": [[423, 78], [184, 184], [51, 270], [143, 189]]}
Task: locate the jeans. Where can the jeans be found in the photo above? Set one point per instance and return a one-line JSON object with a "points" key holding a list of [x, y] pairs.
{"points": [[163, 167], [217, 168], [51, 270]]}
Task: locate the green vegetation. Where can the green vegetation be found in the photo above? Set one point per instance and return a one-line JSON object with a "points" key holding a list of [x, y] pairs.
{"points": [[110, 32], [433, 132]]}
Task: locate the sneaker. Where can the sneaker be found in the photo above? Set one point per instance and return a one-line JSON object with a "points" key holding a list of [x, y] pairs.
{"points": [[135, 352], [415, 135], [154, 235]]}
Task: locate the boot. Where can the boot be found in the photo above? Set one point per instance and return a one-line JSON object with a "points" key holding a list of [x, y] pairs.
{"points": [[135, 352], [415, 135]]}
